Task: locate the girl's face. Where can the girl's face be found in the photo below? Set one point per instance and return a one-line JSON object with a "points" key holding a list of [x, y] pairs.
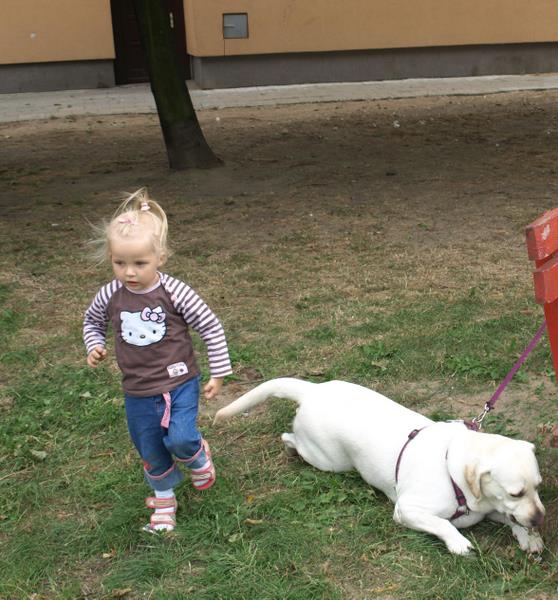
{"points": [[135, 263]]}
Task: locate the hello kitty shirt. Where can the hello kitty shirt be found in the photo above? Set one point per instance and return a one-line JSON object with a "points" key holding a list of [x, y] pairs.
{"points": [[153, 346]]}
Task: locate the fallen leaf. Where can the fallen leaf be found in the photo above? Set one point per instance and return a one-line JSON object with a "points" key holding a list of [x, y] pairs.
{"points": [[39, 454], [387, 588], [121, 592], [61, 515]]}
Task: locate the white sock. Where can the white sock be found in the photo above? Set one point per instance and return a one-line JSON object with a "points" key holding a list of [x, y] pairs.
{"points": [[164, 494]]}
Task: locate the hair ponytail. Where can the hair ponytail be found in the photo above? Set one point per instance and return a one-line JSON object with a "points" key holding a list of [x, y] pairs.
{"points": [[138, 214]]}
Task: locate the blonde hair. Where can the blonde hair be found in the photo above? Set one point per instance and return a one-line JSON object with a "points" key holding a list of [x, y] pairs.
{"points": [[138, 215]]}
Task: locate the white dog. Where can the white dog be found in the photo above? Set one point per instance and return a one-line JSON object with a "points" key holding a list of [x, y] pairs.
{"points": [[447, 477]]}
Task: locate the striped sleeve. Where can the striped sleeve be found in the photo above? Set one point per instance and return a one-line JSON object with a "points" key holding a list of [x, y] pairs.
{"points": [[96, 318], [201, 319]]}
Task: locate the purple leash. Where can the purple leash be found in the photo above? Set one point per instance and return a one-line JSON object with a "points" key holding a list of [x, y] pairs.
{"points": [[477, 421]]}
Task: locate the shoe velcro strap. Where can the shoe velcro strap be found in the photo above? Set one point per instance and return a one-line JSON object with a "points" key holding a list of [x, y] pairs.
{"points": [[162, 519], [153, 502]]}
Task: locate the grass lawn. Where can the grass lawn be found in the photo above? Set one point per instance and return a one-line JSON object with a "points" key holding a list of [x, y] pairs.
{"points": [[331, 245]]}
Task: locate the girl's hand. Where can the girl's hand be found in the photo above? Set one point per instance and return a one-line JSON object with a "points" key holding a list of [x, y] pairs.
{"points": [[96, 355], [212, 387]]}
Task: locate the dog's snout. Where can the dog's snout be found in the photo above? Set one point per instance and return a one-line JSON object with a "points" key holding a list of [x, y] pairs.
{"points": [[538, 519]]}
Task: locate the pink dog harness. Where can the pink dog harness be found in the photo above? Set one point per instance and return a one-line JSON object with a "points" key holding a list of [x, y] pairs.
{"points": [[462, 508]]}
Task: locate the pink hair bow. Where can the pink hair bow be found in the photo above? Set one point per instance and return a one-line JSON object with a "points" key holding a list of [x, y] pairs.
{"points": [[156, 315], [144, 205], [126, 220]]}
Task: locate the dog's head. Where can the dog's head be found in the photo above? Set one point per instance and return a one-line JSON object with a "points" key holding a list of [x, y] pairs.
{"points": [[505, 474]]}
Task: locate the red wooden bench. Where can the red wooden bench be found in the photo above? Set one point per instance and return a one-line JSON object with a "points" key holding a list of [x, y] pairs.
{"points": [[542, 247]]}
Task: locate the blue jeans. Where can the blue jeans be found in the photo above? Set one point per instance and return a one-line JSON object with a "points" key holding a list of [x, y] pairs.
{"points": [[156, 444]]}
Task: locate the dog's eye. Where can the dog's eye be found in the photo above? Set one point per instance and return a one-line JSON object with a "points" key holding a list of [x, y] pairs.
{"points": [[519, 495]]}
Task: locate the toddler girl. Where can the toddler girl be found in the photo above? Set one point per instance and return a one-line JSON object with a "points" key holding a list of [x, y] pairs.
{"points": [[150, 313]]}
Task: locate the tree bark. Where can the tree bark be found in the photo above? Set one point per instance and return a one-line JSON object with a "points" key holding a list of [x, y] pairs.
{"points": [[184, 139]]}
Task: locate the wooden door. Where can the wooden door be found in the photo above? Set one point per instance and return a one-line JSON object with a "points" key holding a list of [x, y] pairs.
{"points": [[130, 65]]}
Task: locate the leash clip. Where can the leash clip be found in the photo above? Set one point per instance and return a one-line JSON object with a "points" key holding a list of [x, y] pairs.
{"points": [[477, 421]]}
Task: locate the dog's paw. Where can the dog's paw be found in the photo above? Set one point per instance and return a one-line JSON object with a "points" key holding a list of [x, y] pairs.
{"points": [[290, 444], [290, 452], [529, 541], [459, 545]]}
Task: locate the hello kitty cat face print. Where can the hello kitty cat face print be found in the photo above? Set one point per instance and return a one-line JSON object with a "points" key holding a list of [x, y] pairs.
{"points": [[143, 328]]}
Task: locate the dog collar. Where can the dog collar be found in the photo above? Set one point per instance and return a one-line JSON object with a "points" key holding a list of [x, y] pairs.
{"points": [[462, 508]]}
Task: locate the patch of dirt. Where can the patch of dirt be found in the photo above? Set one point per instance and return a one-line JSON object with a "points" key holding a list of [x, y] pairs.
{"points": [[245, 378], [528, 408]]}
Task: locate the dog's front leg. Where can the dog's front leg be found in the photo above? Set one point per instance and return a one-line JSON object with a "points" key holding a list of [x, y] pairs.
{"points": [[529, 540], [421, 520]]}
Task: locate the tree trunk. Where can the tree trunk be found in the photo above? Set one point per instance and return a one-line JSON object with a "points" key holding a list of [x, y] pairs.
{"points": [[184, 139]]}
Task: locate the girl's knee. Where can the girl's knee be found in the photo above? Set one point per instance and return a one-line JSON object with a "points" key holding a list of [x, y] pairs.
{"points": [[181, 445]]}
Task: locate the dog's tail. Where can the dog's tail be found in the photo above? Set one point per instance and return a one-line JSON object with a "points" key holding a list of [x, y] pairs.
{"points": [[284, 387]]}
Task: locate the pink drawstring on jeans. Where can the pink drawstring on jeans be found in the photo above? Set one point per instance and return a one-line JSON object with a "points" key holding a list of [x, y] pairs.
{"points": [[165, 421]]}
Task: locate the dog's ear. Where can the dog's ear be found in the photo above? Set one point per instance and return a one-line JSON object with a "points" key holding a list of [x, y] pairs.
{"points": [[474, 475]]}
